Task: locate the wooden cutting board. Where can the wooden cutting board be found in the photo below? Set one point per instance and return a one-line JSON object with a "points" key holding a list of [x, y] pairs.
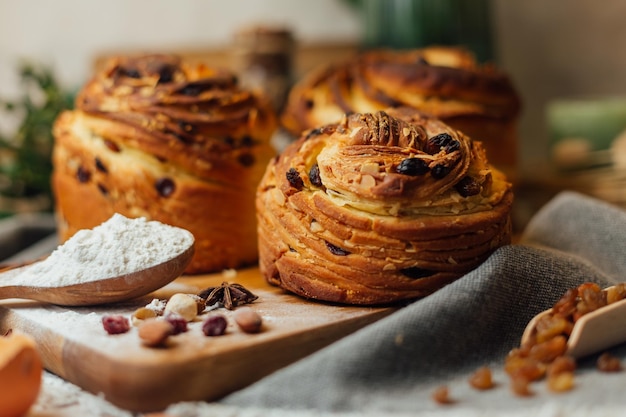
{"points": [[74, 345]]}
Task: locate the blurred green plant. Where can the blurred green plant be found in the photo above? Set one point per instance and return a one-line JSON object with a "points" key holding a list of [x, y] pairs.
{"points": [[25, 154]]}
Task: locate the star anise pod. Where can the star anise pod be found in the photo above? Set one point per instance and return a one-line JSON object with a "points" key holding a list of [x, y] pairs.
{"points": [[230, 295]]}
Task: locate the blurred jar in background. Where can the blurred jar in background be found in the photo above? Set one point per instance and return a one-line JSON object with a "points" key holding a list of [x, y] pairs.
{"points": [[405, 24], [263, 60]]}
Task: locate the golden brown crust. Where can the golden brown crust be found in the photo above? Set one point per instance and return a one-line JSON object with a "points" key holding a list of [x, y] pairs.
{"points": [[153, 136], [379, 208], [443, 81]]}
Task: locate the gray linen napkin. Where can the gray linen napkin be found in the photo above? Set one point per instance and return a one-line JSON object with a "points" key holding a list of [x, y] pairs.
{"points": [[395, 364]]}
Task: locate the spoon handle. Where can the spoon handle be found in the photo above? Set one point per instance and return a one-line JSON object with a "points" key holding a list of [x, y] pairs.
{"points": [[20, 291]]}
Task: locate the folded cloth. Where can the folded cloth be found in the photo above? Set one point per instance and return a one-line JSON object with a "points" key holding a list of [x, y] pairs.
{"points": [[395, 364]]}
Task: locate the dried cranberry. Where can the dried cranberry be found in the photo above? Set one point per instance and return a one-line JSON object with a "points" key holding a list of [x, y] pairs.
{"points": [[100, 165], [314, 176], [214, 325], [468, 186], [115, 324], [165, 186], [179, 324], [440, 171], [293, 176], [83, 175], [412, 166], [336, 250]]}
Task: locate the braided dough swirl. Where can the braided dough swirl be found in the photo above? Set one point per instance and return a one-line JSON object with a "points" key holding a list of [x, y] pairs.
{"points": [[447, 82], [161, 137], [379, 208]]}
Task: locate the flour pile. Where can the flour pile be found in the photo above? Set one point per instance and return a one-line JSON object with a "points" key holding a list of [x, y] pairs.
{"points": [[116, 247]]}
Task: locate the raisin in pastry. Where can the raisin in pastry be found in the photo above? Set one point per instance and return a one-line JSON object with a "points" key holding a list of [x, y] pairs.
{"points": [[379, 207], [447, 82], [159, 137]]}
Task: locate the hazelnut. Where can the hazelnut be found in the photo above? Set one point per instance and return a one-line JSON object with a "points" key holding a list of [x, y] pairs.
{"points": [[185, 305], [248, 320]]}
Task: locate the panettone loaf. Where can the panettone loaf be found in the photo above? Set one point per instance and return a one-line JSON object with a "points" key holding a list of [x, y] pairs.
{"points": [[157, 137], [379, 207], [446, 82]]}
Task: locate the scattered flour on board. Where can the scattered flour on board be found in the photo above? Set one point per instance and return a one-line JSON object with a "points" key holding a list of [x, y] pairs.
{"points": [[118, 246]]}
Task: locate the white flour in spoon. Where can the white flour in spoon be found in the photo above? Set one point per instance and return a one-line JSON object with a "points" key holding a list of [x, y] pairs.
{"points": [[116, 247]]}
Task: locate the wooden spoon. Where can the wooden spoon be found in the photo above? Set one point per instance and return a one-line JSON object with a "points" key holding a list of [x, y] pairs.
{"points": [[593, 332], [102, 291]]}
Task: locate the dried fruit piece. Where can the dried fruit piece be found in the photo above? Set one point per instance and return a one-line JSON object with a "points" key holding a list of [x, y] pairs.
{"points": [[214, 325], [608, 363], [412, 166], [440, 171], [336, 250], [482, 379], [83, 175], [314, 175], [561, 382], [115, 324], [179, 324], [100, 165], [441, 395], [435, 143], [246, 159], [467, 187], [293, 176], [415, 272], [154, 332], [165, 186], [248, 320], [616, 293], [114, 147], [560, 365]]}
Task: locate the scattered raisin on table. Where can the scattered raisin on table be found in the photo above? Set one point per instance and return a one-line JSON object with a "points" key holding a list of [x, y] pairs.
{"points": [[441, 395], [608, 363], [214, 325], [178, 322], [115, 324], [482, 379]]}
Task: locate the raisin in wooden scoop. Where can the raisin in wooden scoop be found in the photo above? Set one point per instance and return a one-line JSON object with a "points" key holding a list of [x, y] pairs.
{"points": [[590, 330]]}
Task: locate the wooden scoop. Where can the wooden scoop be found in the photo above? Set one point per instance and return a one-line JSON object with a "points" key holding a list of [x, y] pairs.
{"points": [[593, 332], [102, 291]]}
